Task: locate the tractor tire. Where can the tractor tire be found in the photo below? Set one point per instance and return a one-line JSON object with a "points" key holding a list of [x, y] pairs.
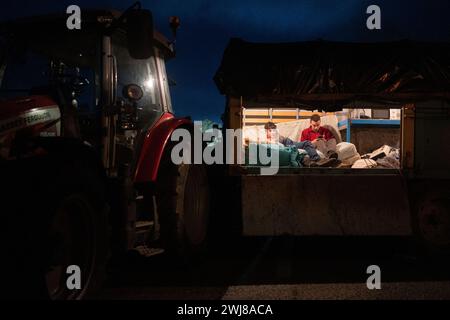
{"points": [[68, 225], [431, 222], [84, 237], [183, 205], [81, 217]]}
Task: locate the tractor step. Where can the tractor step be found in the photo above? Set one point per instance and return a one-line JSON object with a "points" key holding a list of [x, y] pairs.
{"points": [[147, 251], [143, 225], [143, 231]]}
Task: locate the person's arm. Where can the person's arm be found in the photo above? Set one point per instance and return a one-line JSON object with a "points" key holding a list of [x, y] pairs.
{"points": [[304, 136]]}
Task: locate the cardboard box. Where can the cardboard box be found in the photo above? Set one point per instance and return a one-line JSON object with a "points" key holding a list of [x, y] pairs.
{"points": [[380, 152]]}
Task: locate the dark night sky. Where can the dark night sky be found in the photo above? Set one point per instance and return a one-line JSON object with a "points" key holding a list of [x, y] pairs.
{"points": [[207, 25]]}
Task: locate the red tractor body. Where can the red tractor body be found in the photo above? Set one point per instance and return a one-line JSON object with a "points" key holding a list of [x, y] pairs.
{"points": [[85, 127]]}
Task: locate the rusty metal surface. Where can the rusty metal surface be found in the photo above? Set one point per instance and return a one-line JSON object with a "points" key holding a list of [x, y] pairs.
{"points": [[305, 204], [431, 140], [367, 139]]}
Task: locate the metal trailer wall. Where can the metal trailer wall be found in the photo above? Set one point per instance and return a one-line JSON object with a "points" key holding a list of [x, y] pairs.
{"points": [[369, 138], [432, 140], [346, 203]]}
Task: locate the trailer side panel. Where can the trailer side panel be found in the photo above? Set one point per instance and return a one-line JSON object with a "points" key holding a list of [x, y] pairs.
{"points": [[300, 205]]}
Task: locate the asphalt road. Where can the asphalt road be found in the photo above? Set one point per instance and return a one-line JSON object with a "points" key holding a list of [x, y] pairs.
{"points": [[286, 268]]}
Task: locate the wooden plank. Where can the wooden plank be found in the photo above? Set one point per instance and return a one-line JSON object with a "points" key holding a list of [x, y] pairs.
{"points": [[255, 120], [284, 113], [275, 112], [250, 112], [407, 136], [249, 121], [234, 113], [262, 116], [310, 113]]}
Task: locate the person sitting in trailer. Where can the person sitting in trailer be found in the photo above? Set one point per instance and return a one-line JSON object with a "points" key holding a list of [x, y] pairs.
{"points": [[322, 138], [272, 136]]}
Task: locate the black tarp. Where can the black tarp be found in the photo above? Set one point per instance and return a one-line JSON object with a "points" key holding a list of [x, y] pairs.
{"points": [[334, 72]]}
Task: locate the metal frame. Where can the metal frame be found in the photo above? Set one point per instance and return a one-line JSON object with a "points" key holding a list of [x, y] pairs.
{"points": [[108, 96], [371, 122]]}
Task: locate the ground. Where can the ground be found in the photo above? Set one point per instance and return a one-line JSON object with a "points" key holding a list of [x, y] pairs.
{"points": [[286, 268]]}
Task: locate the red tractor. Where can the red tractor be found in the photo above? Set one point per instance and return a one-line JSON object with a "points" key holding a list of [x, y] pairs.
{"points": [[85, 151]]}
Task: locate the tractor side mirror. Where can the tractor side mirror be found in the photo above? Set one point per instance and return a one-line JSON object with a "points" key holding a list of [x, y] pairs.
{"points": [[139, 28], [174, 23]]}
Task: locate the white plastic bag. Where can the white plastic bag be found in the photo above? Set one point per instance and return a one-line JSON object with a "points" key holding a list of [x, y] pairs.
{"points": [[350, 161], [346, 150]]}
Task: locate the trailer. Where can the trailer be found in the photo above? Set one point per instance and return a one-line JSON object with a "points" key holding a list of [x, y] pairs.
{"points": [[285, 83]]}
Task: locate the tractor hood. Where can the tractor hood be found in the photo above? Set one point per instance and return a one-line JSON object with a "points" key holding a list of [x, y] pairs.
{"points": [[22, 112]]}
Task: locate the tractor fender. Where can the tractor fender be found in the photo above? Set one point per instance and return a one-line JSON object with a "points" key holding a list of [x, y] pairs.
{"points": [[154, 144]]}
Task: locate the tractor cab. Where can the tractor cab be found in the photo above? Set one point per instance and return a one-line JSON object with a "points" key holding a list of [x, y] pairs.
{"points": [[85, 126], [109, 75]]}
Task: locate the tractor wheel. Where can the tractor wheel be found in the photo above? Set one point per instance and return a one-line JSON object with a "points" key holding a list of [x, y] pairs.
{"points": [[79, 231], [183, 206], [58, 217], [431, 222]]}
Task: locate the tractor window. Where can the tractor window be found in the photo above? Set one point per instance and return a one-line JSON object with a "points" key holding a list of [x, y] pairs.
{"points": [[24, 72], [164, 80], [139, 72], [35, 66], [35, 73]]}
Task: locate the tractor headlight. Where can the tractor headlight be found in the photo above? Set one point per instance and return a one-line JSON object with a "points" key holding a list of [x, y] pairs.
{"points": [[133, 92]]}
